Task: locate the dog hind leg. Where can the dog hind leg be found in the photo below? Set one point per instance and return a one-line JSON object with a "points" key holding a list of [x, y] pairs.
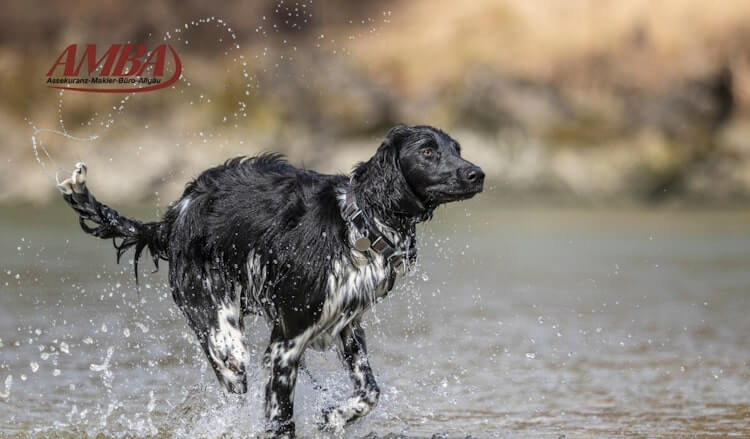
{"points": [[211, 305], [227, 348]]}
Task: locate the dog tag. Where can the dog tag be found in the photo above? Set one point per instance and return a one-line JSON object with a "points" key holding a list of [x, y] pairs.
{"points": [[362, 244]]}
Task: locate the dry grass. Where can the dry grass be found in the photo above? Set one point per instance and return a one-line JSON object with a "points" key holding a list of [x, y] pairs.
{"points": [[651, 42]]}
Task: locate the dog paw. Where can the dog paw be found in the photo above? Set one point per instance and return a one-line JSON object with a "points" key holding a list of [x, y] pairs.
{"points": [[77, 181], [333, 422], [276, 435], [283, 431]]}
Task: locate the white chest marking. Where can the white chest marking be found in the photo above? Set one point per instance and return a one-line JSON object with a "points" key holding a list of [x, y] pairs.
{"points": [[354, 285]]}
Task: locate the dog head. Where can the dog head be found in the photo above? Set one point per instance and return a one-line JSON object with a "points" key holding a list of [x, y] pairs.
{"points": [[431, 163], [416, 169]]}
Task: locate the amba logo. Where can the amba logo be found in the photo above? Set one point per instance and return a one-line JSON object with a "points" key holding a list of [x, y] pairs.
{"points": [[128, 67]]}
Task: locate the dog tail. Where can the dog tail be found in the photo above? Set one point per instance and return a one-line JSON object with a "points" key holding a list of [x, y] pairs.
{"points": [[104, 222]]}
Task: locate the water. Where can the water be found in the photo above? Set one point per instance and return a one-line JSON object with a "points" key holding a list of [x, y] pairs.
{"points": [[520, 322]]}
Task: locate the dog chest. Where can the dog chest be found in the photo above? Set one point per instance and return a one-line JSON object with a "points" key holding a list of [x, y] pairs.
{"points": [[352, 289]]}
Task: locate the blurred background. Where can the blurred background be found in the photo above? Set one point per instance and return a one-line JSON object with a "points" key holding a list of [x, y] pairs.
{"points": [[595, 101], [597, 288]]}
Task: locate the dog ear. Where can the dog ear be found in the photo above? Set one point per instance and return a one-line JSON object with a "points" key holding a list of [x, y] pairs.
{"points": [[387, 156], [381, 169], [380, 181], [395, 137]]}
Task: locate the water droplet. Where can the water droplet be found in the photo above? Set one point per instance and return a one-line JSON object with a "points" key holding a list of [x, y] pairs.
{"points": [[8, 384], [105, 364]]}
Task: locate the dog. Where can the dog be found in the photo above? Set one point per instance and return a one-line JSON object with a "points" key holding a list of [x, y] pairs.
{"points": [[310, 252]]}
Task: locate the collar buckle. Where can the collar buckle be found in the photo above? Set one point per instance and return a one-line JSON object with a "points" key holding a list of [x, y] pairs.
{"points": [[370, 238], [362, 244]]}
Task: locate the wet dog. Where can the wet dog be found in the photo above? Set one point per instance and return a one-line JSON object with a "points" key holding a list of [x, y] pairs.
{"points": [[310, 252]]}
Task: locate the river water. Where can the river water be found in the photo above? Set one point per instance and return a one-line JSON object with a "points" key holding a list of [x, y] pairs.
{"points": [[519, 322]]}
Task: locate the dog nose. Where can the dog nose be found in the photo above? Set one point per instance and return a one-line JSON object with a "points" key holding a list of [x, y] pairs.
{"points": [[473, 174]]}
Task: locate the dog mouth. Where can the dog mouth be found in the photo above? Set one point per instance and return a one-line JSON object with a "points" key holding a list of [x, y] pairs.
{"points": [[450, 195]]}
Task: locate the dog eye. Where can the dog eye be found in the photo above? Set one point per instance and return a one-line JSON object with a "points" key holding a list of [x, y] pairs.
{"points": [[427, 152]]}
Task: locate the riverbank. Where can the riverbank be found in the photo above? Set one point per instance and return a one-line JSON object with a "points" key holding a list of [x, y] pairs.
{"points": [[575, 100]]}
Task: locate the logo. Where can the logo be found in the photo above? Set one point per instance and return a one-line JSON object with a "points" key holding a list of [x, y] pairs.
{"points": [[122, 68]]}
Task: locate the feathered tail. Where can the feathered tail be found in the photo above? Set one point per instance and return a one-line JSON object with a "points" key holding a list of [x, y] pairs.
{"points": [[108, 223]]}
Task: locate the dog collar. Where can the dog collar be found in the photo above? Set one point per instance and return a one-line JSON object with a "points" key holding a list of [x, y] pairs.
{"points": [[370, 238]]}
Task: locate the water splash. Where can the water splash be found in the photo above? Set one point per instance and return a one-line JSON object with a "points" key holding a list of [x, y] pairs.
{"points": [[37, 146], [46, 160], [8, 384], [213, 414], [105, 364]]}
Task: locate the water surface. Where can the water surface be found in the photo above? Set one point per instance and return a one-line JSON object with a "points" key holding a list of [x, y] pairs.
{"points": [[519, 322]]}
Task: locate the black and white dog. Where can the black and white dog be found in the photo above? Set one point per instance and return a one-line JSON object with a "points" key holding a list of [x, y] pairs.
{"points": [[311, 252]]}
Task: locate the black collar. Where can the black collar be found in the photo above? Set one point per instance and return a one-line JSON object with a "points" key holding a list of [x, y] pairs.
{"points": [[370, 238]]}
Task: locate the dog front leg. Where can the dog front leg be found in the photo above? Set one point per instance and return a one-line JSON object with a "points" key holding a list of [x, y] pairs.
{"points": [[282, 358], [366, 391]]}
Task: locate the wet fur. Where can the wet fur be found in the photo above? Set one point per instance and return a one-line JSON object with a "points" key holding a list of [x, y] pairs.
{"points": [[260, 236]]}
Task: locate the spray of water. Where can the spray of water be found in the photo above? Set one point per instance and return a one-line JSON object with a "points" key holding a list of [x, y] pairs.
{"points": [[204, 411], [106, 122]]}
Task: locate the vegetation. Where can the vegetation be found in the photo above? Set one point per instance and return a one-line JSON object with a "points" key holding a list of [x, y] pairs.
{"points": [[601, 101]]}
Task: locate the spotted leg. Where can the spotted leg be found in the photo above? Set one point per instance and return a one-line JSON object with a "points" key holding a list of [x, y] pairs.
{"points": [[366, 391], [282, 358]]}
